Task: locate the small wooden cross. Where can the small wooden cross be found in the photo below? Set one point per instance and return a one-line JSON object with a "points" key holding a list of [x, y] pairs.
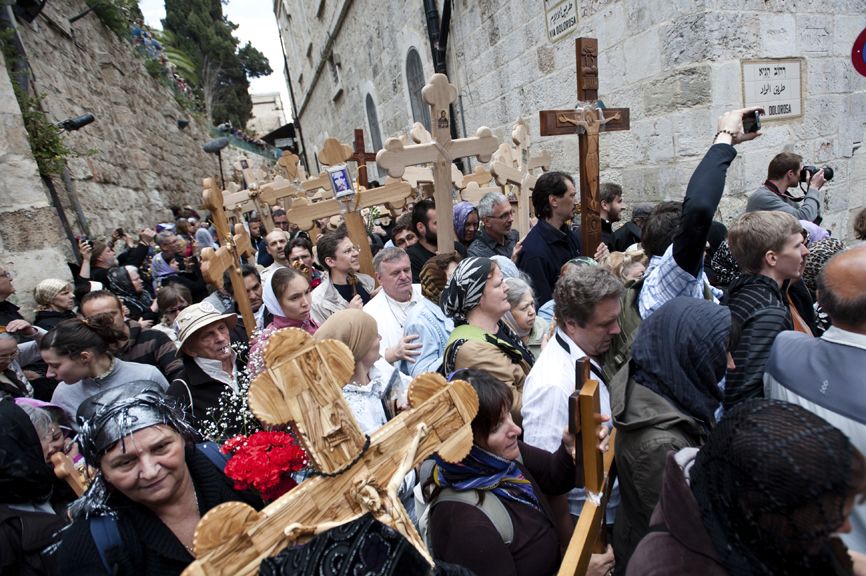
{"points": [[302, 386], [212, 199], [516, 167], [587, 122], [361, 157], [247, 200], [597, 475], [395, 157]]}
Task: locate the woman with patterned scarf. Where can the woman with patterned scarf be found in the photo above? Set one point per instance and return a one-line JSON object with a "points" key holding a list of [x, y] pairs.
{"points": [[475, 297], [499, 472], [125, 282]]}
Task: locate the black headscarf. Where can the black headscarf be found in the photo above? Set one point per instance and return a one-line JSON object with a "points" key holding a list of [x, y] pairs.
{"points": [[680, 352], [771, 484], [25, 478], [120, 284]]}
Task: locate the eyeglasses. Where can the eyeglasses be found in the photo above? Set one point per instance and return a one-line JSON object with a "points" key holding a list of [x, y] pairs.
{"points": [[353, 249], [5, 274], [505, 216], [9, 357]]}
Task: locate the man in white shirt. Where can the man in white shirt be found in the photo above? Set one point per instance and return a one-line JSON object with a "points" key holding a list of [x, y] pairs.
{"points": [[391, 305], [587, 307]]}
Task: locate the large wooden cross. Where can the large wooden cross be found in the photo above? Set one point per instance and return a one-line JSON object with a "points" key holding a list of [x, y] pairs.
{"points": [[597, 475], [290, 166], [516, 167], [588, 120], [302, 386], [247, 200], [228, 256], [395, 157]]}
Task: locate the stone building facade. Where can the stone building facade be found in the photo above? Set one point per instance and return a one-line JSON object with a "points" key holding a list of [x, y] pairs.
{"points": [[268, 114], [676, 64], [135, 160]]}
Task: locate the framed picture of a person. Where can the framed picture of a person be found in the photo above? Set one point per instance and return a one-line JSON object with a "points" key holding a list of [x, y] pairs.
{"points": [[341, 182]]}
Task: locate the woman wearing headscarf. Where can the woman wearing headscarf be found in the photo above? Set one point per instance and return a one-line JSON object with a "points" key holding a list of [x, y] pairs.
{"points": [[54, 302], [152, 486], [465, 225], [126, 283], [286, 299], [476, 299], [667, 398], [376, 387], [28, 519], [819, 254], [765, 496], [522, 319]]}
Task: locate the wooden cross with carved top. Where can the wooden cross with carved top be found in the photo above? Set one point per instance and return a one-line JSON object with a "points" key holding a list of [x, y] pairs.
{"points": [[361, 157], [228, 256], [302, 386], [395, 157], [597, 475], [587, 122], [516, 167]]}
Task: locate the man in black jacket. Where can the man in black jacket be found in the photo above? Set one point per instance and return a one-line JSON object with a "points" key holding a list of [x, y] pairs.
{"points": [[770, 250]]}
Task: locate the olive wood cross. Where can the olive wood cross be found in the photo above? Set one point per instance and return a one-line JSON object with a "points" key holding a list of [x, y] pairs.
{"points": [[302, 385]]}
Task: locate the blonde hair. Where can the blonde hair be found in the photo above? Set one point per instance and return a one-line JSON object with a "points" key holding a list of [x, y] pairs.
{"points": [[620, 262], [47, 290], [756, 233]]}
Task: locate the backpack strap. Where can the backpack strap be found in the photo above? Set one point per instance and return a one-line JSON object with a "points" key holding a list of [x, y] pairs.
{"points": [[491, 506], [213, 453], [106, 536]]}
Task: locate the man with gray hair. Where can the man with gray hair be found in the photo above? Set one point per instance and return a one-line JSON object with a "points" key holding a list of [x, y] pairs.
{"points": [[587, 307], [495, 236], [391, 305]]}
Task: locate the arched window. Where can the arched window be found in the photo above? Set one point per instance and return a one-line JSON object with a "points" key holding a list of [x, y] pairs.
{"points": [[415, 81], [373, 119]]}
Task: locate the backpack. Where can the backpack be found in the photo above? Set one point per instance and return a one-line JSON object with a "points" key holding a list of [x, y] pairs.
{"points": [[104, 529]]}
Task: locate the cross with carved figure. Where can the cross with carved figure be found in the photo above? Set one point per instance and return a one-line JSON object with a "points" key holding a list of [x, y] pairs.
{"points": [[229, 255], [395, 157], [587, 122], [516, 167], [301, 386], [361, 157], [597, 476]]}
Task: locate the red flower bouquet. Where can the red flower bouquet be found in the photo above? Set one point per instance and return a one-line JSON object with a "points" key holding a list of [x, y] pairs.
{"points": [[264, 461]]}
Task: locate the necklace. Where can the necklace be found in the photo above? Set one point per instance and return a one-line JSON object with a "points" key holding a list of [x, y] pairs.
{"points": [[404, 312]]}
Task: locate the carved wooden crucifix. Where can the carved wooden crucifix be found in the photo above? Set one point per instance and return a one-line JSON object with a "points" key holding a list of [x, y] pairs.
{"points": [[597, 477], [361, 157], [516, 167], [395, 157], [302, 386], [587, 121], [232, 247]]}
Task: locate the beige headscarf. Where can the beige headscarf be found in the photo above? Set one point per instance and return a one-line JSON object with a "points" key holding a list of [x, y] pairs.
{"points": [[354, 328], [47, 290]]}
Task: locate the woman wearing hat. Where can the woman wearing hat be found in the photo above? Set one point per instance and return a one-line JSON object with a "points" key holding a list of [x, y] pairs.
{"points": [[54, 302], [211, 366], [151, 488], [77, 352], [477, 300]]}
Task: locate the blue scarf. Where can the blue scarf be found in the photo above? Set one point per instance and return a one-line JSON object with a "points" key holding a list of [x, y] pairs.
{"points": [[481, 470]]}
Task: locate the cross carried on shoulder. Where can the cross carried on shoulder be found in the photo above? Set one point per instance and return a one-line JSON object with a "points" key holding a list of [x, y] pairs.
{"points": [[587, 121]]}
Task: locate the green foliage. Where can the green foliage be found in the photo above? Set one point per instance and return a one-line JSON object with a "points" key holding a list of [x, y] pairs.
{"points": [[182, 62], [202, 32], [116, 14], [46, 143], [154, 68]]}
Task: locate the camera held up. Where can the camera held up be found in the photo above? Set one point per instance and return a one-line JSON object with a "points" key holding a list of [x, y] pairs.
{"points": [[807, 172]]}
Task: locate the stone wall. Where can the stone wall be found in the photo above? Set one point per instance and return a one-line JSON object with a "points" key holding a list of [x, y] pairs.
{"points": [[674, 63], [135, 162]]}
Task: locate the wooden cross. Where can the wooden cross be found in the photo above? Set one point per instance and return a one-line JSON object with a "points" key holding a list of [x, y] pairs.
{"points": [[291, 166], [361, 157], [229, 254], [246, 201], [395, 157], [302, 385], [587, 121], [516, 167], [597, 475]]}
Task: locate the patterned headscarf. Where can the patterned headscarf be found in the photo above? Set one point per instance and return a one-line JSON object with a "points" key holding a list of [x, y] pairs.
{"points": [[462, 210], [120, 284], [463, 292], [819, 253], [47, 290]]}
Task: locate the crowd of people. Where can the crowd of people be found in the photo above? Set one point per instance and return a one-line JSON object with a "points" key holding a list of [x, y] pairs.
{"points": [[729, 359]]}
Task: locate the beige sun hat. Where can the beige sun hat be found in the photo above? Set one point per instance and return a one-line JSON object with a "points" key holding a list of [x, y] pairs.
{"points": [[195, 317]]}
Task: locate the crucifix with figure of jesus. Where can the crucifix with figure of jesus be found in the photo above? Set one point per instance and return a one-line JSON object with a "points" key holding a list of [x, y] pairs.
{"points": [[588, 120]]}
